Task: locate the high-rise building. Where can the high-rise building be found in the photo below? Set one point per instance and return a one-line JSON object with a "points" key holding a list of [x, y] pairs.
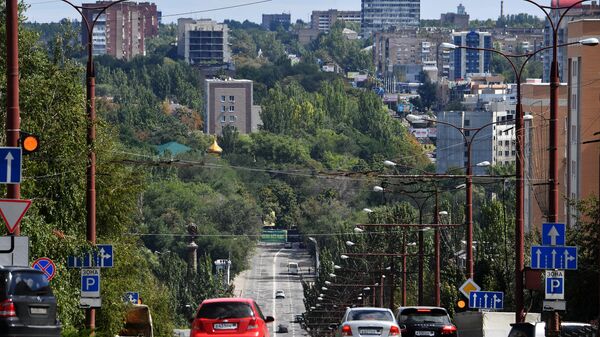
{"points": [[460, 19], [581, 11], [203, 42], [273, 21], [583, 74], [324, 20], [384, 15], [230, 102], [122, 29], [468, 61]]}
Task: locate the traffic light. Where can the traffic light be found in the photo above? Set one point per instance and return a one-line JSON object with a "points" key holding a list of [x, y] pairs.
{"points": [[29, 143]]}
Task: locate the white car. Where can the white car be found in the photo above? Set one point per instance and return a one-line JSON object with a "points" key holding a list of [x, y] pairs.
{"points": [[367, 321], [279, 294]]}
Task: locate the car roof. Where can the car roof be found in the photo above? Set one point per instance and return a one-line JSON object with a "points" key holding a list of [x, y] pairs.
{"points": [[368, 308], [18, 268], [228, 299], [421, 307]]}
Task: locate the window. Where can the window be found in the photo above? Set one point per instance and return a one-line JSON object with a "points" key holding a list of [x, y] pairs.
{"points": [[222, 108], [467, 122], [514, 153], [231, 108], [29, 284], [232, 118], [467, 133], [574, 101], [229, 309], [506, 143], [506, 153], [222, 119], [499, 143], [231, 98], [223, 98]]}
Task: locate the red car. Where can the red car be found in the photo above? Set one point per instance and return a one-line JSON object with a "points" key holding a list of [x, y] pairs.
{"points": [[224, 317]]}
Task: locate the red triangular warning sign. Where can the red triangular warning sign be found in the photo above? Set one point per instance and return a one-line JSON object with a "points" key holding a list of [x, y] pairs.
{"points": [[12, 211]]}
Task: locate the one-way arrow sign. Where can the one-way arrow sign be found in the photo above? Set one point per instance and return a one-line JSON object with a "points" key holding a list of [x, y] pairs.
{"points": [[553, 234], [12, 211]]}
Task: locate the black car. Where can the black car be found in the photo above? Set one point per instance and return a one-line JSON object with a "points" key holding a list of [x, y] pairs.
{"points": [[27, 305], [425, 322], [538, 329]]}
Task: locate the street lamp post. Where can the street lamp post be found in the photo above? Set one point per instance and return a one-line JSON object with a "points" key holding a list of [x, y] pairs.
{"points": [[519, 230]]}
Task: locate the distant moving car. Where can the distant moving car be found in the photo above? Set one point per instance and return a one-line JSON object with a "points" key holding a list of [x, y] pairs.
{"points": [[567, 329], [367, 321], [298, 318], [425, 321], [282, 328], [230, 317], [288, 245], [293, 268], [279, 294], [27, 305]]}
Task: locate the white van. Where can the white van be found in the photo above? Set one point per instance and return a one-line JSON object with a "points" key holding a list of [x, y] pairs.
{"points": [[293, 268]]}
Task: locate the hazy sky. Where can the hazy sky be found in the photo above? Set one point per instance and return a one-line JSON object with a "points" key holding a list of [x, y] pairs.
{"points": [[54, 10]]}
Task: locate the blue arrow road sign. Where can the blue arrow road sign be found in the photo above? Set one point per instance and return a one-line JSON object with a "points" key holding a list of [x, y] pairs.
{"points": [[80, 261], [10, 165], [103, 256], [132, 297], [486, 300], [553, 257], [553, 234]]}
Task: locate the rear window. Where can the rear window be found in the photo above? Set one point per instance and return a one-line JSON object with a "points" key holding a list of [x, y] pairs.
{"points": [[370, 315], [24, 283], [222, 310], [424, 316]]}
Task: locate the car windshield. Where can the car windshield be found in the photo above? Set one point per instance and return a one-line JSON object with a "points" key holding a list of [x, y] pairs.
{"points": [[370, 315], [424, 315], [26, 283], [222, 310]]}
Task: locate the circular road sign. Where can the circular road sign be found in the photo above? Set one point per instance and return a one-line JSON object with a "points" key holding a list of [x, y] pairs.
{"points": [[46, 266]]}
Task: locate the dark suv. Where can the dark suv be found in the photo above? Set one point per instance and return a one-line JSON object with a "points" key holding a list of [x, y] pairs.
{"points": [[425, 322], [27, 305]]}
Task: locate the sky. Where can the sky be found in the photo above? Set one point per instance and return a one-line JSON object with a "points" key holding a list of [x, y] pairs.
{"points": [[54, 10]]}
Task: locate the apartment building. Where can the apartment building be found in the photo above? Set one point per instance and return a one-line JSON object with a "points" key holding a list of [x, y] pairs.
{"points": [[385, 15], [324, 20], [203, 42], [230, 102], [468, 61], [121, 30], [273, 21], [583, 74]]}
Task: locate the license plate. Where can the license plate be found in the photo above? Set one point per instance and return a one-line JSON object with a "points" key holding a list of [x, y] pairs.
{"points": [[38, 311], [225, 326], [424, 333], [376, 332]]}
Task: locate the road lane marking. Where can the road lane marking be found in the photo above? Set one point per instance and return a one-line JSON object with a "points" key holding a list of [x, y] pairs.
{"points": [[275, 289]]}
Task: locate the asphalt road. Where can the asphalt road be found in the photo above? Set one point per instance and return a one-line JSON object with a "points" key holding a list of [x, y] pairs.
{"points": [[268, 273]]}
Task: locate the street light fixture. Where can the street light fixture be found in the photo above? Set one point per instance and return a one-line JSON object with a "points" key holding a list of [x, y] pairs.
{"points": [[389, 163], [350, 243], [324, 288], [358, 230], [344, 257], [367, 210], [332, 275], [335, 266], [328, 283], [378, 189]]}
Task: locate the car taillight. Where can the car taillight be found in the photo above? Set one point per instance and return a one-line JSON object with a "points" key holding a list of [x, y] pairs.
{"points": [[448, 329], [346, 330], [197, 328], [253, 324], [394, 331], [7, 309]]}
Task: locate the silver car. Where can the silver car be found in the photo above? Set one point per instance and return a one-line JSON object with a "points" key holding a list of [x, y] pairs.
{"points": [[368, 322]]}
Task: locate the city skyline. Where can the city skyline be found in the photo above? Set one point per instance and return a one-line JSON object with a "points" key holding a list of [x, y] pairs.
{"points": [[252, 10]]}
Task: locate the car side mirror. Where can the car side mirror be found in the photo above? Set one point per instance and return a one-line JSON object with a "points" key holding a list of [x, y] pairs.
{"points": [[269, 319], [402, 326]]}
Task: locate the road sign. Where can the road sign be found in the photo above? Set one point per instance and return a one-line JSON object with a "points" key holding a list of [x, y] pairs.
{"points": [[14, 251], [10, 165], [553, 234], [555, 284], [486, 300], [46, 266], [132, 297], [90, 282], [468, 287], [12, 211], [554, 305], [101, 257], [553, 257]]}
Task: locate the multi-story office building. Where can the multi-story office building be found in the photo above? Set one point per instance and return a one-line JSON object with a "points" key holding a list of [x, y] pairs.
{"points": [[582, 118], [460, 19], [272, 21], [385, 15], [324, 20], [203, 42], [122, 29], [230, 102], [467, 61], [581, 11]]}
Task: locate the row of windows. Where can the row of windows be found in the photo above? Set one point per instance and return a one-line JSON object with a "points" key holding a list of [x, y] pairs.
{"points": [[231, 108], [231, 98], [507, 153], [231, 119]]}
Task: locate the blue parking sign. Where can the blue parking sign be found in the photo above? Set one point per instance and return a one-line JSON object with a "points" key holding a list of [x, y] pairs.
{"points": [[90, 282]]}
